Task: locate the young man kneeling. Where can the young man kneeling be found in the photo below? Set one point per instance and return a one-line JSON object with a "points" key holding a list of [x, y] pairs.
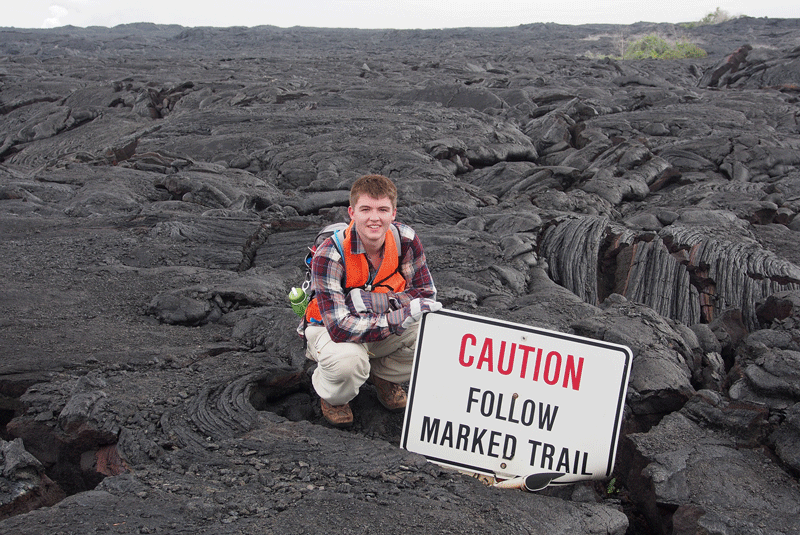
{"points": [[362, 322]]}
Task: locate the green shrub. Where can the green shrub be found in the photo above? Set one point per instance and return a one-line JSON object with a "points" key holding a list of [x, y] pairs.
{"points": [[689, 50], [654, 47]]}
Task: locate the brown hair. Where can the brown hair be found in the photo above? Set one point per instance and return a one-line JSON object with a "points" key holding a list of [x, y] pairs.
{"points": [[376, 186]]}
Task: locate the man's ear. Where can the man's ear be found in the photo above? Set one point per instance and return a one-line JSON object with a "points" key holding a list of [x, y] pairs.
{"points": [[350, 211]]}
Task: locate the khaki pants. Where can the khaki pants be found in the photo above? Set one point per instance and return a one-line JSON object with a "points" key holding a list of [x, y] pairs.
{"points": [[343, 367]]}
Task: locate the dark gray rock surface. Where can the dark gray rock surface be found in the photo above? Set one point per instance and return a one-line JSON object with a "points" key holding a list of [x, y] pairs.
{"points": [[159, 185]]}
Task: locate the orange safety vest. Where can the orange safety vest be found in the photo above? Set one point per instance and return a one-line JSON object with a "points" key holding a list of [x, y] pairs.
{"points": [[387, 279]]}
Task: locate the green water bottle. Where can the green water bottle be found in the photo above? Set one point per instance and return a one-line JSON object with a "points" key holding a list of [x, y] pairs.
{"points": [[299, 301]]}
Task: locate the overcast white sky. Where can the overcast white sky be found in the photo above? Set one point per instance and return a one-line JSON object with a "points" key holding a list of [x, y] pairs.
{"points": [[401, 14]]}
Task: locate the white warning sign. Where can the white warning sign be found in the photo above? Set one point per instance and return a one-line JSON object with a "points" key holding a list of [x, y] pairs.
{"points": [[506, 400]]}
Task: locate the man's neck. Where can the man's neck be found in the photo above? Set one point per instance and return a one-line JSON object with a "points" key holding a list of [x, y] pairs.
{"points": [[373, 249]]}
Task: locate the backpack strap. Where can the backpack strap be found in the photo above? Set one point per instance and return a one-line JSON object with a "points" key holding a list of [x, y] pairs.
{"points": [[396, 234], [337, 241], [337, 238]]}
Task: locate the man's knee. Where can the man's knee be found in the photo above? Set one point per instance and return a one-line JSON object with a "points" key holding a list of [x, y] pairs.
{"points": [[345, 362], [350, 363]]}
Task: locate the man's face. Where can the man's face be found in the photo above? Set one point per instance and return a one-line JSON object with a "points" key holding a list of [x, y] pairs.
{"points": [[372, 219]]}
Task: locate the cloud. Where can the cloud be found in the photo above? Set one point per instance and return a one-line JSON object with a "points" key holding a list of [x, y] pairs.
{"points": [[56, 14]]}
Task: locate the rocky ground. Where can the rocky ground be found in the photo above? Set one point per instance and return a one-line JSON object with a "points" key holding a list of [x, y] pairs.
{"points": [[158, 186]]}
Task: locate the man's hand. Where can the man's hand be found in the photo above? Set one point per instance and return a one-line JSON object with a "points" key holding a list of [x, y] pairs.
{"points": [[361, 301], [400, 320]]}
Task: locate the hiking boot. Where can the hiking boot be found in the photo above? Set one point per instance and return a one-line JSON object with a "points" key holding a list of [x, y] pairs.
{"points": [[391, 395], [337, 415]]}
